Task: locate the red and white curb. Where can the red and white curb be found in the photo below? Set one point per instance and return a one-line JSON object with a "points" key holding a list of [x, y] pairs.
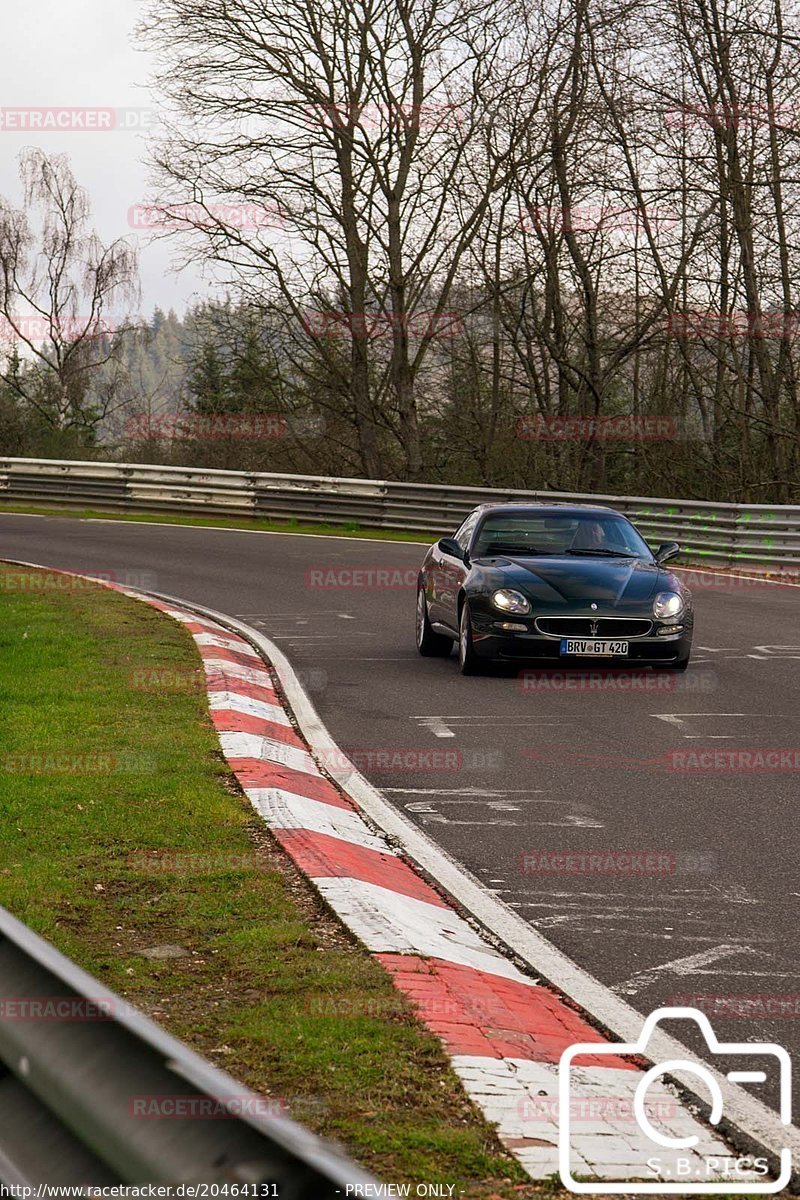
{"points": [[503, 1031]]}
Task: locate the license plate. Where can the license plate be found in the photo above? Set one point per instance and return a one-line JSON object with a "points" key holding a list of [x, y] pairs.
{"points": [[592, 647]]}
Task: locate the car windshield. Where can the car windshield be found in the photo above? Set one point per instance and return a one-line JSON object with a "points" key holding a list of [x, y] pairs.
{"points": [[534, 534]]}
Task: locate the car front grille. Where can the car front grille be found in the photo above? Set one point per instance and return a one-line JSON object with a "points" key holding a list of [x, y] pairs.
{"points": [[605, 627]]}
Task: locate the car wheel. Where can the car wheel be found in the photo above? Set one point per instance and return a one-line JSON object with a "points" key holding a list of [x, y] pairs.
{"points": [[468, 661], [429, 644]]}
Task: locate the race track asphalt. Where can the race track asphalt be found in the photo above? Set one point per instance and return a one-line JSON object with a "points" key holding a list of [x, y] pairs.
{"points": [[521, 780]]}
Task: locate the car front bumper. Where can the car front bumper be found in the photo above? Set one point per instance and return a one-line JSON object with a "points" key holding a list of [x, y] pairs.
{"points": [[492, 642]]}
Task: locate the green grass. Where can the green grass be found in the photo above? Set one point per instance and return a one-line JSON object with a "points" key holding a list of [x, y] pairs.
{"points": [[263, 954], [350, 529]]}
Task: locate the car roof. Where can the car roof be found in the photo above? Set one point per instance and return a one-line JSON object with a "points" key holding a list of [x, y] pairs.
{"points": [[544, 508]]}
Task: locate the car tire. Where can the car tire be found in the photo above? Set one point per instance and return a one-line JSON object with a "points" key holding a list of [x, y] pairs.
{"points": [[429, 644], [468, 661]]}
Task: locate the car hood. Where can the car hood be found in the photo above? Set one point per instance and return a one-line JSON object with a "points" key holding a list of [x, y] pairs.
{"points": [[568, 579]]}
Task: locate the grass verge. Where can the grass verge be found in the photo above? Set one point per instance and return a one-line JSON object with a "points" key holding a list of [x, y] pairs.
{"points": [[124, 832]]}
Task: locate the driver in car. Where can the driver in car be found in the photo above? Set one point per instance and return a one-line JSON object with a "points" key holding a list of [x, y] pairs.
{"points": [[589, 535]]}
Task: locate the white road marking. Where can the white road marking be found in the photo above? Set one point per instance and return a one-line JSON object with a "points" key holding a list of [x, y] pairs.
{"points": [[430, 816], [468, 791], [565, 821], [677, 719], [317, 637], [670, 718], [441, 726], [437, 726], [689, 965]]}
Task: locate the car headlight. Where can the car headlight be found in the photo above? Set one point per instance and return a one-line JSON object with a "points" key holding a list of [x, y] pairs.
{"points": [[668, 604], [510, 601]]}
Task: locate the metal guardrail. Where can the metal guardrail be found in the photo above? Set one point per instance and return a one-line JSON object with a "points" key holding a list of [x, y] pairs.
{"points": [[93, 1100], [755, 535]]}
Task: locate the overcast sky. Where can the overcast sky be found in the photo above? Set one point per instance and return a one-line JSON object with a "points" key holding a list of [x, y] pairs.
{"points": [[74, 54]]}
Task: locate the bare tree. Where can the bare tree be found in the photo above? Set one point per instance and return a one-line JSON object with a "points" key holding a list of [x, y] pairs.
{"points": [[58, 283], [358, 127]]}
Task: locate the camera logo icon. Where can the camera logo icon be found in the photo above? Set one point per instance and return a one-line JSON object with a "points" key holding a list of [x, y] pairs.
{"points": [[660, 1148]]}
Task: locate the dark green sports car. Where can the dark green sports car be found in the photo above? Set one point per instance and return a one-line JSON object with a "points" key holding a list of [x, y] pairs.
{"points": [[566, 583]]}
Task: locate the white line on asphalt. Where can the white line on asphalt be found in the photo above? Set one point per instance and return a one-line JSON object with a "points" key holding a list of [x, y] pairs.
{"points": [[436, 726], [440, 726], [325, 537], [470, 791], [318, 637], [677, 719], [688, 965]]}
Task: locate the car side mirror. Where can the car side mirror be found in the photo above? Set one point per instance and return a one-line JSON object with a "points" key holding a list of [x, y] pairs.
{"points": [[667, 551], [449, 545]]}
